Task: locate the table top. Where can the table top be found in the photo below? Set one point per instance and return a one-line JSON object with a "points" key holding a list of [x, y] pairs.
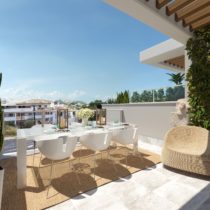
{"points": [[42, 133]]}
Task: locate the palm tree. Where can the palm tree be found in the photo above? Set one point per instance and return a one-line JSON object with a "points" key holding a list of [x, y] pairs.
{"points": [[176, 78]]}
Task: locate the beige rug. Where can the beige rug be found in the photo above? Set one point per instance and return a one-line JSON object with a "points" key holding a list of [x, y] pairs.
{"points": [[65, 183]]}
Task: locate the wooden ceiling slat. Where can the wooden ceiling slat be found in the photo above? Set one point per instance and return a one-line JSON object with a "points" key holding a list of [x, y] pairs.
{"points": [[191, 8], [176, 58], [203, 22], [196, 16], [161, 3], [178, 61], [176, 5]]}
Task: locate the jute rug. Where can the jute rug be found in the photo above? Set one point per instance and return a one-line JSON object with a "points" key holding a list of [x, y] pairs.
{"points": [[65, 183]]}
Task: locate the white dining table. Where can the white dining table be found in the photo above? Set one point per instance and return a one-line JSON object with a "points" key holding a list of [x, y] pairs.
{"points": [[24, 135]]}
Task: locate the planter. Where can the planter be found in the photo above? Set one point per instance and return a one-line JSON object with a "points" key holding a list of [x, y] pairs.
{"points": [[1, 183], [84, 121]]}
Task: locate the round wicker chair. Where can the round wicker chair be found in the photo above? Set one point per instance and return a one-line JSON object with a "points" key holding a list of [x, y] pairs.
{"points": [[187, 148]]}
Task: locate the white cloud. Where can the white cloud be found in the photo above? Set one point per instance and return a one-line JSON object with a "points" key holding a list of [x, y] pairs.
{"points": [[76, 94], [24, 93]]}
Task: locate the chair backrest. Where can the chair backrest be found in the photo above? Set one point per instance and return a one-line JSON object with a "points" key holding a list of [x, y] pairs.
{"points": [[195, 138], [125, 136], [36, 130], [57, 149], [96, 141]]}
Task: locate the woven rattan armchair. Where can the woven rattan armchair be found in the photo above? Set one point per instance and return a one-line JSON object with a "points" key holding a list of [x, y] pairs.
{"points": [[187, 148]]}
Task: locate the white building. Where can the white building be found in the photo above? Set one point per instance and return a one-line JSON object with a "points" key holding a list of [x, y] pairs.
{"points": [[34, 109]]}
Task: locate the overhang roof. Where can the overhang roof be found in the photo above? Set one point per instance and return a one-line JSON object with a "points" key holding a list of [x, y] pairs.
{"points": [[168, 55]]}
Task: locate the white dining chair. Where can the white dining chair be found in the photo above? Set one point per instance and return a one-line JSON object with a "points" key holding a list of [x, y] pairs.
{"points": [[97, 141], [57, 149], [125, 136], [38, 130]]}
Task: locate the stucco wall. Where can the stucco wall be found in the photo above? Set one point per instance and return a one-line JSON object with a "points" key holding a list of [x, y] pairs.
{"points": [[153, 119]]}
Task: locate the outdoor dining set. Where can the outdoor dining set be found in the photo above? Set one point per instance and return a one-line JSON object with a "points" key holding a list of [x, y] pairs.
{"points": [[56, 145]]}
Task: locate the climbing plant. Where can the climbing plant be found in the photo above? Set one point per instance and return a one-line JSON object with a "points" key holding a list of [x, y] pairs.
{"points": [[198, 77]]}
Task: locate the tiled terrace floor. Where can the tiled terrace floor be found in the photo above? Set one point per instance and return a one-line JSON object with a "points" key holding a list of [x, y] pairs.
{"points": [[152, 189]]}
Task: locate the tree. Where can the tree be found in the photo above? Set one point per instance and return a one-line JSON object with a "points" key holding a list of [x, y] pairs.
{"points": [[119, 98], [93, 104], [178, 92], [176, 78], [159, 95], [146, 96], [111, 101], [126, 97], [136, 97], [123, 97], [170, 94]]}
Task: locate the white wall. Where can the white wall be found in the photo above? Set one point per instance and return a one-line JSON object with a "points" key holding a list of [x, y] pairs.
{"points": [[153, 119]]}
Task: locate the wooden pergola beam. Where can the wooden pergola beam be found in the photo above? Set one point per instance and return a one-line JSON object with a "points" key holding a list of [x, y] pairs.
{"points": [[203, 22], [196, 16], [191, 8], [176, 5], [161, 3]]}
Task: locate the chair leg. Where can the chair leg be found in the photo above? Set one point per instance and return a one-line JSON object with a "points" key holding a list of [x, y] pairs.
{"points": [[34, 151], [136, 152], [94, 165], [71, 165], [37, 175], [127, 159], [51, 172], [40, 160], [110, 158], [80, 152]]}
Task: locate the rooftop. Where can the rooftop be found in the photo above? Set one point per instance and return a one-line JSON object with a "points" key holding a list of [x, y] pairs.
{"points": [[35, 102]]}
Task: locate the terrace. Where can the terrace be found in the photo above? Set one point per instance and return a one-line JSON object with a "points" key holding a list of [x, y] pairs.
{"points": [[138, 174]]}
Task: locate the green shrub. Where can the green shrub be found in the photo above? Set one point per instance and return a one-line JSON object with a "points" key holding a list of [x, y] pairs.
{"points": [[10, 130], [9, 123], [25, 124]]}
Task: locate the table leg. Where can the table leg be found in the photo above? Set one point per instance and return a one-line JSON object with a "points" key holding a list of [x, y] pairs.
{"points": [[21, 163], [135, 146]]}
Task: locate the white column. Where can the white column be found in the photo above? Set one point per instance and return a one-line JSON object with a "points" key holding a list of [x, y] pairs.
{"points": [[21, 163], [187, 66]]}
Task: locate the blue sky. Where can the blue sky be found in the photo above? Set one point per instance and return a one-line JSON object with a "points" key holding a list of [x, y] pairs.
{"points": [[73, 49]]}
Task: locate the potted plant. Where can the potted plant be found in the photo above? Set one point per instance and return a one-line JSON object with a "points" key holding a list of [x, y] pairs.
{"points": [[84, 115], [1, 144]]}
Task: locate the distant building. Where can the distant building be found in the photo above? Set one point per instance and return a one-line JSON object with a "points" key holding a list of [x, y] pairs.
{"points": [[35, 109]]}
